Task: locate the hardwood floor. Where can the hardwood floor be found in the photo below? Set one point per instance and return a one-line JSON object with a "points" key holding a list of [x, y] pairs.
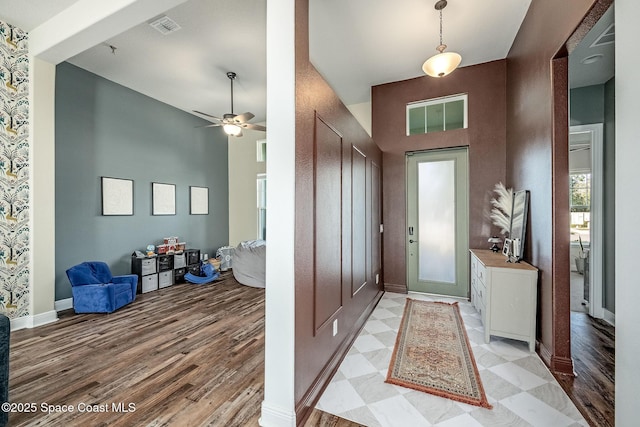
{"points": [[187, 355], [593, 351]]}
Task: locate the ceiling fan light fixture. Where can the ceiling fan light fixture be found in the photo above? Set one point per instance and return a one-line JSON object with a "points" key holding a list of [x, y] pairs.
{"points": [[231, 129], [231, 123], [443, 63]]}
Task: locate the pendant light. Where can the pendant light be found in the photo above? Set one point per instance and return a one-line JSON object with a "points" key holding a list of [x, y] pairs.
{"points": [[443, 63]]}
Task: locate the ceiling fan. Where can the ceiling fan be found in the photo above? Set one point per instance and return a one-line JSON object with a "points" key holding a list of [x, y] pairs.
{"points": [[233, 123]]}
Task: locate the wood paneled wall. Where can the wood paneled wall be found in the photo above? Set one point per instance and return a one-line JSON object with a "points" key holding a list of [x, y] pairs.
{"points": [[338, 213]]}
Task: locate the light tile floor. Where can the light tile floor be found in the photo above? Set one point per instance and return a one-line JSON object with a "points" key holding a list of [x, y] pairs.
{"points": [[518, 385]]}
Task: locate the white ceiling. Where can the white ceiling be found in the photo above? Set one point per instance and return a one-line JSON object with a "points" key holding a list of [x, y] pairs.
{"points": [[354, 44], [27, 15], [598, 72]]}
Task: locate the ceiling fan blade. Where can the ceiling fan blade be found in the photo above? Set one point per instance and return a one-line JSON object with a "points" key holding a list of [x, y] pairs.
{"points": [[208, 115], [254, 127], [244, 117], [209, 126]]}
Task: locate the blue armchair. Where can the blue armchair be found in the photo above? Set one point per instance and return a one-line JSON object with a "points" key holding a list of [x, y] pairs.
{"points": [[95, 290]]}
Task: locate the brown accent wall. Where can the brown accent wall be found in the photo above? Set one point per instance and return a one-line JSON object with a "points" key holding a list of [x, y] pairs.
{"points": [[537, 155], [485, 136], [337, 240]]}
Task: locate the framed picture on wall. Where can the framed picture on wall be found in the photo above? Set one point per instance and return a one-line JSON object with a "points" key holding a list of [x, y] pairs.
{"points": [[164, 198], [117, 196], [199, 200]]}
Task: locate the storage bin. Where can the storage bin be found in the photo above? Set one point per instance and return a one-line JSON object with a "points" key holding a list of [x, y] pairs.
{"points": [[225, 255]]}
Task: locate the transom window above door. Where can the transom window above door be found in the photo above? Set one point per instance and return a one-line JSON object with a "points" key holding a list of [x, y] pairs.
{"points": [[436, 115]]}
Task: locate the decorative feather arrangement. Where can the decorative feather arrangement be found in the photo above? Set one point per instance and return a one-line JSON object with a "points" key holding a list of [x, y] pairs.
{"points": [[501, 210]]}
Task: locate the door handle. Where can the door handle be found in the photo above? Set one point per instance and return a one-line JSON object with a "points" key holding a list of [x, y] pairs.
{"points": [[412, 241]]}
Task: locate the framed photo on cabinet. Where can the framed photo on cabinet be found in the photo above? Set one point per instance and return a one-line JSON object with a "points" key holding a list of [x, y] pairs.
{"points": [[199, 200], [117, 196], [506, 248], [164, 198]]}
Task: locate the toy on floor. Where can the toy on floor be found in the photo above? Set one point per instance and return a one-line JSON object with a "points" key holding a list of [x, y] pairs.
{"points": [[208, 274]]}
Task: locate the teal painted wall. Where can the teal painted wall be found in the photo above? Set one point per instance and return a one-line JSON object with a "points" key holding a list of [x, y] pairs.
{"points": [[586, 105], [596, 104], [104, 129]]}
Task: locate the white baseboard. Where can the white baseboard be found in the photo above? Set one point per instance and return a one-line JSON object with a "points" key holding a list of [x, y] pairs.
{"points": [[273, 416], [34, 321], [63, 304], [609, 317]]}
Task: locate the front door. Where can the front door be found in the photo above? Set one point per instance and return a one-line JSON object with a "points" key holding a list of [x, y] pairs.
{"points": [[438, 222]]}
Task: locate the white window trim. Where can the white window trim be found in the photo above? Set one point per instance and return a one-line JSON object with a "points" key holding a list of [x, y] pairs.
{"points": [[260, 157]]}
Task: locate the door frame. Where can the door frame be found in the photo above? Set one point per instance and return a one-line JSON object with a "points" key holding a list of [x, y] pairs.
{"points": [[464, 276], [596, 246]]}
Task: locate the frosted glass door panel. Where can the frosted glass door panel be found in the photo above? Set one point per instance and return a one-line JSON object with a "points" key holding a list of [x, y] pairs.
{"points": [[437, 219], [437, 239]]}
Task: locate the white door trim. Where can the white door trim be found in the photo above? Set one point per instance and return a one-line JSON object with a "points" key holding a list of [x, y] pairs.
{"points": [[596, 247]]}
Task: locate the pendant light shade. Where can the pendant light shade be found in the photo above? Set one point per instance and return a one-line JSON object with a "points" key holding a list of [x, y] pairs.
{"points": [[443, 63]]}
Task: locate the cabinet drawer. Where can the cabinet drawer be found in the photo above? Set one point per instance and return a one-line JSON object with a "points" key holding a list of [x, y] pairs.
{"points": [[165, 262], [179, 261], [474, 266], [147, 266], [473, 298], [179, 274], [149, 283], [481, 309], [165, 279], [482, 273], [481, 293]]}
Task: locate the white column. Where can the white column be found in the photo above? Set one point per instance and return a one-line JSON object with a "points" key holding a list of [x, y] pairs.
{"points": [[42, 80], [278, 407], [627, 209]]}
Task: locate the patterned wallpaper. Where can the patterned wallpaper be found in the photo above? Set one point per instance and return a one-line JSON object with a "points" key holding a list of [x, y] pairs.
{"points": [[14, 172]]}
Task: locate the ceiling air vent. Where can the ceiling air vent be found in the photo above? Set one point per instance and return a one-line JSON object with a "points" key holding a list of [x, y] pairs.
{"points": [[165, 25], [608, 36]]}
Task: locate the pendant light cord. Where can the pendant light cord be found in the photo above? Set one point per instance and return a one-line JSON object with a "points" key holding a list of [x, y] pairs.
{"points": [[440, 26], [232, 95]]}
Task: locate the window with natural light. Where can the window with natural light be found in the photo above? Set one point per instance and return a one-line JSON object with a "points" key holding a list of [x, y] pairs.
{"points": [[438, 114], [580, 206], [262, 206], [261, 150]]}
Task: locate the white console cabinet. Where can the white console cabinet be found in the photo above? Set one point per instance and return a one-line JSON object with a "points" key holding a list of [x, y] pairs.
{"points": [[505, 295]]}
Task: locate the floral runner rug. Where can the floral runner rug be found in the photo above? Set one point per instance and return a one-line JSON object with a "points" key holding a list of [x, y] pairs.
{"points": [[432, 354]]}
